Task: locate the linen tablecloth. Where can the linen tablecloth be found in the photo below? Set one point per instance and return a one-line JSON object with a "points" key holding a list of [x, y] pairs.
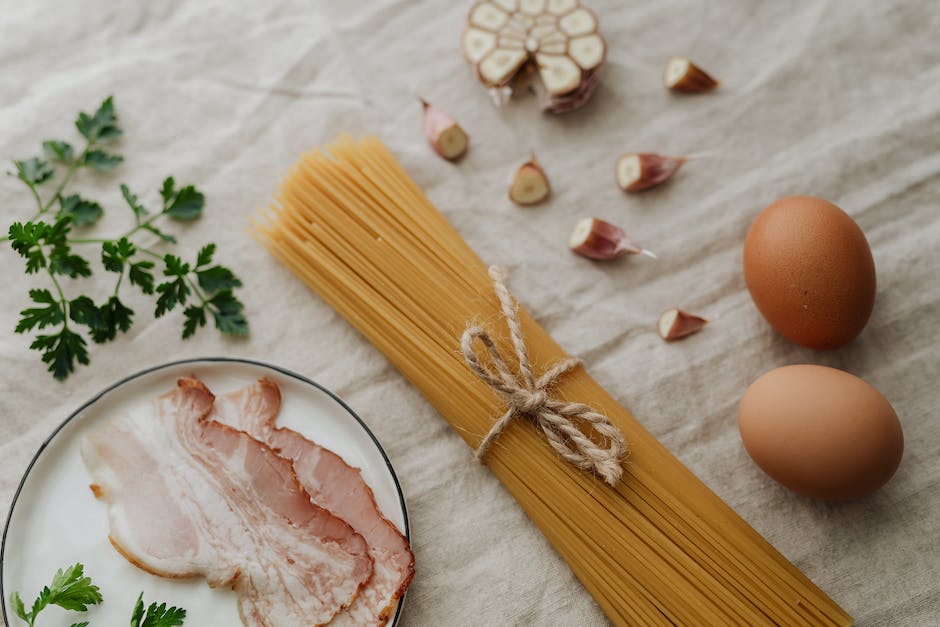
{"points": [[835, 99]]}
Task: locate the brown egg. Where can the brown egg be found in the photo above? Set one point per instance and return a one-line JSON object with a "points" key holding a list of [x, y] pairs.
{"points": [[810, 271], [821, 432]]}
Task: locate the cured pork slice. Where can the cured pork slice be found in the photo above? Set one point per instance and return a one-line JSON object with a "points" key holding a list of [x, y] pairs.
{"points": [[336, 486], [189, 496]]}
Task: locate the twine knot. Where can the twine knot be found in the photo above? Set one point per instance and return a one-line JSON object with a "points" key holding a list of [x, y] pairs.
{"points": [[527, 396]]}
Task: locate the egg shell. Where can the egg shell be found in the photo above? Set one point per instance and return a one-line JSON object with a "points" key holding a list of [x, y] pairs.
{"points": [[810, 271], [821, 432]]}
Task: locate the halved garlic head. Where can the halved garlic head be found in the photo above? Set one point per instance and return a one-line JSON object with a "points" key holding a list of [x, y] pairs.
{"points": [[559, 38]]}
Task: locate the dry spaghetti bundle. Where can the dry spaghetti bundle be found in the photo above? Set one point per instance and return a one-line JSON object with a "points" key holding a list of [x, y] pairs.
{"points": [[657, 546]]}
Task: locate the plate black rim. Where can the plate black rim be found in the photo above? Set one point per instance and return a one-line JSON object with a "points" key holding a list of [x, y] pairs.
{"points": [[179, 362]]}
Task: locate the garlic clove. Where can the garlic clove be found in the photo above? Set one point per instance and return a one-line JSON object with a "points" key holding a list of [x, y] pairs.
{"points": [[675, 324], [638, 171], [443, 133], [477, 44], [580, 22], [501, 64], [529, 185], [683, 75], [588, 51], [488, 16], [559, 73], [596, 239]]}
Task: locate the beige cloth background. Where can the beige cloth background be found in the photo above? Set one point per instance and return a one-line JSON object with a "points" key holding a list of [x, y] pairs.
{"points": [[837, 99]]}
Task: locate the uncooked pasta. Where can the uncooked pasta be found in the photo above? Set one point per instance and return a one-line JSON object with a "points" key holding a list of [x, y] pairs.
{"points": [[657, 547]]}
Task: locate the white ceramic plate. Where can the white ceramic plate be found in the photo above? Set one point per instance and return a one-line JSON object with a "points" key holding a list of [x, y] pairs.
{"points": [[55, 520]]}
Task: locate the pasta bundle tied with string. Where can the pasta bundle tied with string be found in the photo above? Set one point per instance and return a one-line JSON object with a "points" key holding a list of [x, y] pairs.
{"points": [[650, 542]]}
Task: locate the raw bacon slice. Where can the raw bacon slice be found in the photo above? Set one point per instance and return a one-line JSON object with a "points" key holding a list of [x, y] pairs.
{"points": [[190, 496], [336, 486]]}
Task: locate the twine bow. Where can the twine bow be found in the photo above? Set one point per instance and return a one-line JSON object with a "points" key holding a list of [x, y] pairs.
{"points": [[528, 396]]}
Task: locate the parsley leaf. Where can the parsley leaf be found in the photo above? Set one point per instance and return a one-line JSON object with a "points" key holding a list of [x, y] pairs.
{"points": [[18, 606], [156, 615], [70, 589], [102, 126], [115, 253], [115, 316], [175, 292], [131, 199], [83, 310], [101, 161], [33, 171], [141, 276], [228, 313], [81, 624], [58, 151], [27, 239], [204, 258], [82, 212], [49, 315], [217, 278], [195, 318], [61, 351], [185, 204], [62, 261]]}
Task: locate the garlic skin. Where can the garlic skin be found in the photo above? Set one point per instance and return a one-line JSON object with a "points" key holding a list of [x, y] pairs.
{"points": [[530, 184], [557, 38], [639, 171], [596, 239], [676, 324], [443, 133], [684, 76]]}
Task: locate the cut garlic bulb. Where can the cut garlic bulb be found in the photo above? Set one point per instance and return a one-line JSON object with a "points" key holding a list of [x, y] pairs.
{"points": [[558, 38]]}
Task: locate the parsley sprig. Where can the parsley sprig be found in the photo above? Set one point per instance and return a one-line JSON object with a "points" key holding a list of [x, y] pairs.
{"points": [[156, 615], [46, 241], [72, 590]]}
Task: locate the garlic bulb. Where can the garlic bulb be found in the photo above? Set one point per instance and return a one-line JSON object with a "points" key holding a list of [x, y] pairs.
{"points": [[558, 38]]}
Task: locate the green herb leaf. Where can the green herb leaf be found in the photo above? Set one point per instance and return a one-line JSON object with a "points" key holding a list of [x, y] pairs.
{"points": [[133, 203], [49, 315], [156, 615], [166, 237], [101, 161], [186, 205], [70, 590], [33, 171], [168, 191], [62, 261], [140, 274], [228, 313], [171, 294], [175, 266], [61, 351], [82, 212], [84, 311], [195, 318], [18, 606], [217, 278], [115, 316], [204, 258], [115, 253], [60, 151], [27, 239], [82, 624], [102, 126]]}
